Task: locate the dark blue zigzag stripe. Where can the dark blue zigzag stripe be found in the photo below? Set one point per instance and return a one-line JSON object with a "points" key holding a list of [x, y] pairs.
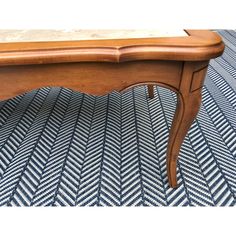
{"points": [[221, 122], [42, 150], [49, 180], [70, 176], [19, 128], [8, 107], [131, 190], [110, 184], [90, 173], [223, 86], [24, 151]]}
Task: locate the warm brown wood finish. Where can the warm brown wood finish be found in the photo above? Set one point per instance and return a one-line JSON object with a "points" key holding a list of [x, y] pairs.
{"points": [[150, 91], [187, 108], [100, 66], [96, 78], [199, 45]]}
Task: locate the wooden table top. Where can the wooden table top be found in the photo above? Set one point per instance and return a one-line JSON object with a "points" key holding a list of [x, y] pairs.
{"points": [[74, 35], [109, 46]]}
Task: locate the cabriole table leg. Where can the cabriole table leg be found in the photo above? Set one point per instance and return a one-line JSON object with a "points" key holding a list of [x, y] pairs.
{"points": [[188, 104], [186, 111]]}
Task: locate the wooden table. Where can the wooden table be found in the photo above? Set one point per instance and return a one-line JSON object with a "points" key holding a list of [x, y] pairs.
{"points": [[97, 62]]}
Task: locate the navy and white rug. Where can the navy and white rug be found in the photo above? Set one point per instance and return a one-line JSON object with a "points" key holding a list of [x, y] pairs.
{"points": [[59, 147]]}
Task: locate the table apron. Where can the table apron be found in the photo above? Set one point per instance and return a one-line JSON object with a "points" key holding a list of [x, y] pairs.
{"points": [[96, 78]]}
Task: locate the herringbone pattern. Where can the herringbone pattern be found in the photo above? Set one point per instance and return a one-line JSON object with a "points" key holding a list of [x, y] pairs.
{"points": [[64, 148]]}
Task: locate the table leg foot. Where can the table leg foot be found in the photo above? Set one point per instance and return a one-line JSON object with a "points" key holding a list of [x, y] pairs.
{"points": [[186, 110]]}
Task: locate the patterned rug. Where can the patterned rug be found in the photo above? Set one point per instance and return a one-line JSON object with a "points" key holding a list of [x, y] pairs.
{"points": [[61, 147]]}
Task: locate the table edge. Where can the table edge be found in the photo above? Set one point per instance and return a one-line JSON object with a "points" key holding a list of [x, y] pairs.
{"points": [[199, 45]]}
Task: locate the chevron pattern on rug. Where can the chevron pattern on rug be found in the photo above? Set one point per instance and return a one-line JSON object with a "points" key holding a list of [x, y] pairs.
{"points": [[63, 148]]}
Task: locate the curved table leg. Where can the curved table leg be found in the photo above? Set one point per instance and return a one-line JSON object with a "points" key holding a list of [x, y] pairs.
{"points": [[186, 111], [189, 101]]}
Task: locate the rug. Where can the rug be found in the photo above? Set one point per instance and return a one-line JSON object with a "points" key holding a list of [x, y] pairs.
{"points": [[60, 147]]}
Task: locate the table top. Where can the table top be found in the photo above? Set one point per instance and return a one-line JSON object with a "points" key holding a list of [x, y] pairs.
{"points": [[72, 35], [110, 46]]}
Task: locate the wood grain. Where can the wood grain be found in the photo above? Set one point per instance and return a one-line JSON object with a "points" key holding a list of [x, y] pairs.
{"points": [[187, 108], [92, 78], [199, 45]]}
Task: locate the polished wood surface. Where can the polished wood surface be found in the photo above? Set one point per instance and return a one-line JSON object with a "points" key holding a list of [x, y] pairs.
{"points": [[188, 104], [101, 66], [198, 45], [91, 78]]}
